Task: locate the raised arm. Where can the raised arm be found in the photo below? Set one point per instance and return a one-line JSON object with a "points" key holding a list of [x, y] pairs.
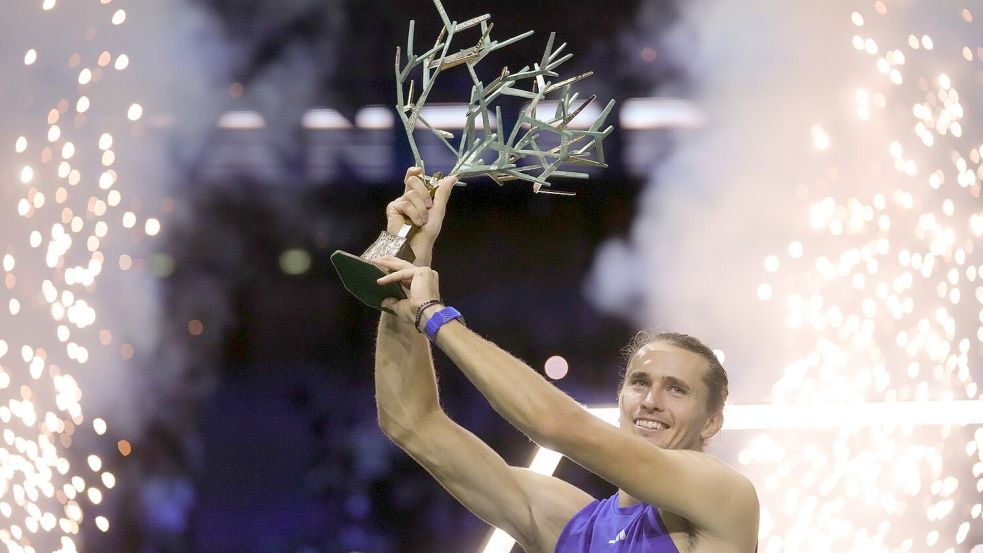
{"points": [[404, 397], [530, 507], [713, 496]]}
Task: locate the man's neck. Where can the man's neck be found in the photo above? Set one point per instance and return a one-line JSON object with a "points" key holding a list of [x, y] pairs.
{"points": [[625, 500]]}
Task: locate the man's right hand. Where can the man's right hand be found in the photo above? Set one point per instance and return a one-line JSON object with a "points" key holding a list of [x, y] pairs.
{"points": [[416, 206]]}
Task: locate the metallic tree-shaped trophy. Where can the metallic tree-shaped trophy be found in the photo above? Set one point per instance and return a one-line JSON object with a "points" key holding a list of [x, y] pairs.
{"points": [[493, 153]]}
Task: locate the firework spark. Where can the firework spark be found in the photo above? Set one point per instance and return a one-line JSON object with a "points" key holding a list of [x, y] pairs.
{"points": [[65, 217], [882, 296]]}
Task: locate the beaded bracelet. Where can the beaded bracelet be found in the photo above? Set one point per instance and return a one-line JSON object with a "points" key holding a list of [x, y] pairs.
{"points": [[419, 312]]}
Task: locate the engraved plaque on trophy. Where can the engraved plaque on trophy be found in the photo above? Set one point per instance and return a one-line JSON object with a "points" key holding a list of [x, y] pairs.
{"points": [[501, 156]]}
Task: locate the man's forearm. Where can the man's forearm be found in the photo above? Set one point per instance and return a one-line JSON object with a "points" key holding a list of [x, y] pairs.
{"points": [[514, 390], [406, 387]]}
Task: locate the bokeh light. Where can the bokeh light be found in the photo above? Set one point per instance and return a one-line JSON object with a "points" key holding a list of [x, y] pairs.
{"points": [[295, 261], [556, 367]]}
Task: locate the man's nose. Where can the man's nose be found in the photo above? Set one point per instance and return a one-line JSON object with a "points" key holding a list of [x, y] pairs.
{"points": [[653, 400]]}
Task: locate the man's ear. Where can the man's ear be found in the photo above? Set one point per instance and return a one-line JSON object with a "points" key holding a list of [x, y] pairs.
{"points": [[713, 425]]}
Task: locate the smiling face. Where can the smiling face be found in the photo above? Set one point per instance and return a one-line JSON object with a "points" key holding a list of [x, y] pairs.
{"points": [[664, 398]]}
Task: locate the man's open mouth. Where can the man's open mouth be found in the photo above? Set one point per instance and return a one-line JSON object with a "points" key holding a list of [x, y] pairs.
{"points": [[650, 424]]}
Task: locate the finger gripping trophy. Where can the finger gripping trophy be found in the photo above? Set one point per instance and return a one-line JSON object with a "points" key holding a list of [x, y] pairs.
{"points": [[502, 157]]}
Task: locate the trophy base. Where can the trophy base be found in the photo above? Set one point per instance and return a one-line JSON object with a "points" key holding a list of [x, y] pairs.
{"points": [[359, 277]]}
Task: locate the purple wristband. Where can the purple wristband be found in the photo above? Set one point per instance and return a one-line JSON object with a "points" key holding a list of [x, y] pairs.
{"points": [[439, 319]]}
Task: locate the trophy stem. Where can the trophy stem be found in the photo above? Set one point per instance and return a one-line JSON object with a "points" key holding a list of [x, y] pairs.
{"points": [[392, 245]]}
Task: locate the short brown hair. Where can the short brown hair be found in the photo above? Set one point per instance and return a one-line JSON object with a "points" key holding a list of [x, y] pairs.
{"points": [[715, 377]]}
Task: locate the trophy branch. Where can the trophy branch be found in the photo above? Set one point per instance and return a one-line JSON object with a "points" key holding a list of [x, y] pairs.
{"points": [[483, 146]]}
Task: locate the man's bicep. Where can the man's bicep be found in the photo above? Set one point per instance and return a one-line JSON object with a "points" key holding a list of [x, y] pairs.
{"points": [[519, 501]]}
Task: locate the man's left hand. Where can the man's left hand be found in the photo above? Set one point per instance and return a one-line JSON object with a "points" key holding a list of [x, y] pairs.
{"points": [[421, 285]]}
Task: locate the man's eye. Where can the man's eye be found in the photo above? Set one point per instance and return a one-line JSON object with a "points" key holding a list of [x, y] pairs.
{"points": [[676, 389]]}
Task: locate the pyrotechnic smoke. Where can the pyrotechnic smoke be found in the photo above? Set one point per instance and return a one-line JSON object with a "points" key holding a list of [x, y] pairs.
{"points": [[823, 230]]}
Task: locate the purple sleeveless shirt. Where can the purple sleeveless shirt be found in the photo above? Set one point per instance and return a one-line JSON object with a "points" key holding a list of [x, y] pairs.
{"points": [[604, 527]]}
